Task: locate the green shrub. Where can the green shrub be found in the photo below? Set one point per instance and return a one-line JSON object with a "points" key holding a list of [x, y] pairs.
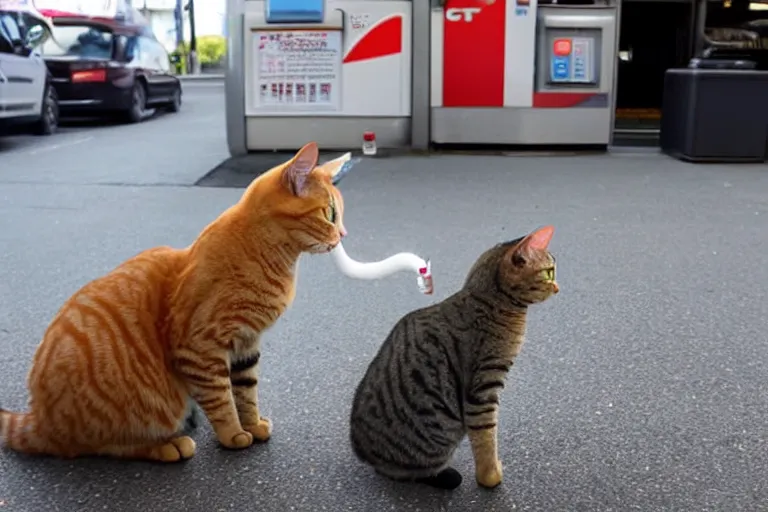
{"points": [[211, 50]]}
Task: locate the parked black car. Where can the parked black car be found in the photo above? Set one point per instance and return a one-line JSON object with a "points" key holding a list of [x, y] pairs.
{"points": [[101, 66]]}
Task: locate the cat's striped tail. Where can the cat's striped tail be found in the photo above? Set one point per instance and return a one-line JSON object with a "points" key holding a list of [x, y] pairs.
{"points": [[19, 433]]}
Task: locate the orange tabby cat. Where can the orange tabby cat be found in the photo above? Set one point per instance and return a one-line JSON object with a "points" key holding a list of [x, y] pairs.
{"points": [[121, 360]]}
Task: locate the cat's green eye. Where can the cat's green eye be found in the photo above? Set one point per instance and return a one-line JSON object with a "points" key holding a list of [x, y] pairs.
{"points": [[548, 274], [330, 213]]}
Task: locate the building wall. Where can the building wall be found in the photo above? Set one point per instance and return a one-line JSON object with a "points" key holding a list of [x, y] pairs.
{"points": [[209, 17], [164, 26]]}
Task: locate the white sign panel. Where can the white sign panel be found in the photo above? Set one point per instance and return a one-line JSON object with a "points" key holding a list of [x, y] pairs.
{"points": [[297, 70], [520, 53]]}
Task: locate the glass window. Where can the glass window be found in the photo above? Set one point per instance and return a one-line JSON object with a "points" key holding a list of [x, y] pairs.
{"points": [[163, 62], [153, 55], [145, 45], [22, 26], [80, 41], [132, 50], [34, 30], [9, 26], [5, 42], [164, 58], [145, 54]]}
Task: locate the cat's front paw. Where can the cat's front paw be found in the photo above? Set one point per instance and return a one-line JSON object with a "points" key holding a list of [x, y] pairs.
{"points": [[262, 431], [489, 476], [238, 441]]}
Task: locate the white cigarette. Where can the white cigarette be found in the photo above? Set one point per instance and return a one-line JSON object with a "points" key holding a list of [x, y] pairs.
{"points": [[386, 267]]}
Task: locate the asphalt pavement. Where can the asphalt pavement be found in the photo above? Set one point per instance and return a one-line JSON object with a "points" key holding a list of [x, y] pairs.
{"points": [[642, 385]]}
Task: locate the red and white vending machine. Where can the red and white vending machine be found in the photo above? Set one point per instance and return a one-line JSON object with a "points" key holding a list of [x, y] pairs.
{"points": [[522, 72], [332, 80]]}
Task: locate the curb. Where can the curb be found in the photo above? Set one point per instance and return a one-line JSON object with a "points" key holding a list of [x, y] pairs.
{"points": [[201, 77]]}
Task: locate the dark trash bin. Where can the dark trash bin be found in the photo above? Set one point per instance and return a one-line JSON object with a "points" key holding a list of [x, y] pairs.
{"points": [[715, 111]]}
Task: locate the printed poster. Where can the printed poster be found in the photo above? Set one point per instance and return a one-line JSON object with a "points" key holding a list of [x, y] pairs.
{"points": [[297, 70]]}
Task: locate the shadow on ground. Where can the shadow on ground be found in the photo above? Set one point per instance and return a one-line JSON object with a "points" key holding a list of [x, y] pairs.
{"points": [[238, 172]]}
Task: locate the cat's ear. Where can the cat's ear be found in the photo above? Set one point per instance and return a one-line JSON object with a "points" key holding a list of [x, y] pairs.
{"points": [[539, 239], [534, 242], [297, 170]]}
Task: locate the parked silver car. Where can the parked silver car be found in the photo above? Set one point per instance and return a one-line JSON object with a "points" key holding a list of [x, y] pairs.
{"points": [[26, 94]]}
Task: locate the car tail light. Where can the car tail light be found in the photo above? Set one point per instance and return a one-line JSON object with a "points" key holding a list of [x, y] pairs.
{"points": [[89, 75]]}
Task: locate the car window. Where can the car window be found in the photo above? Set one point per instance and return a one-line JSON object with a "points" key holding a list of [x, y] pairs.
{"points": [[34, 31], [148, 54], [88, 41], [19, 18], [159, 55], [9, 26], [132, 52], [22, 26], [162, 57], [5, 42]]}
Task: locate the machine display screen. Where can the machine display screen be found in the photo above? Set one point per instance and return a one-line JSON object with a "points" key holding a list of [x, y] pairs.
{"points": [[294, 11], [572, 60]]}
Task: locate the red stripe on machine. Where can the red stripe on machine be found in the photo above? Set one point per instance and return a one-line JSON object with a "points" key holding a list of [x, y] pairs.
{"points": [[473, 53], [382, 39], [560, 99]]}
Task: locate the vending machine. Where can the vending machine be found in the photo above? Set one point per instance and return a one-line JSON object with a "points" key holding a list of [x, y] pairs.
{"points": [[323, 70], [523, 72]]}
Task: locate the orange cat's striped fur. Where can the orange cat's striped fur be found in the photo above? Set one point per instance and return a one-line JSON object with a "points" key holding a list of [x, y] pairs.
{"points": [[124, 357]]}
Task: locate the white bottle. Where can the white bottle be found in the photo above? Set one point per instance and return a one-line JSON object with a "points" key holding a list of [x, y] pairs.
{"points": [[369, 144]]}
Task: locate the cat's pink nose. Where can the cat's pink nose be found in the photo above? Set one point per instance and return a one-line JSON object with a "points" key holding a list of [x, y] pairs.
{"points": [[342, 232]]}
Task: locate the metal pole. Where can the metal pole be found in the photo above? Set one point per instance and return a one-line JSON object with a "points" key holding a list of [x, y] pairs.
{"points": [[615, 77], [234, 79], [179, 22], [192, 38], [421, 16], [691, 50], [701, 25]]}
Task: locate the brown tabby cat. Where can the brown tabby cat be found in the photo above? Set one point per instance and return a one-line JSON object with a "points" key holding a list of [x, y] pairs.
{"points": [[127, 354], [438, 375]]}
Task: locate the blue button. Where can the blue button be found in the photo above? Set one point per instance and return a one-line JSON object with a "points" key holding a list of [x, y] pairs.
{"points": [[560, 68]]}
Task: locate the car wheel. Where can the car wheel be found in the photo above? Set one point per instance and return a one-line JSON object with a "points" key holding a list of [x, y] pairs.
{"points": [[175, 104], [49, 118], [137, 111]]}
